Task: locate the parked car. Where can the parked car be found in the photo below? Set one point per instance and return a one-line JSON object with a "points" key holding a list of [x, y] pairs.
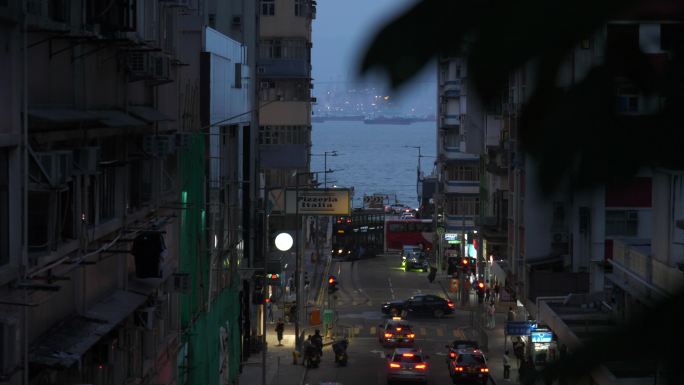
{"points": [[396, 332], [407, 364], [422, 304], [469, 366]]}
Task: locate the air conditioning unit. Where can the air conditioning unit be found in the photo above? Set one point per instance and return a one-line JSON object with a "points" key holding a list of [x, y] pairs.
{"points": [[160, 67], [159, 145], [265, 85], [261, 70], [147, 317], [58, 165], [560, 237], [313, 99], [181, 283], [85, 159], [138, 64], [176, 3], [10, 345], [237, 21]]}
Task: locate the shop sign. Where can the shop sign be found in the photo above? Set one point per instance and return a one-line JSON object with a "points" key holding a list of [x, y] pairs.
{"points": [[520, 328], [450, 236], [541, 336], [318, 202]]}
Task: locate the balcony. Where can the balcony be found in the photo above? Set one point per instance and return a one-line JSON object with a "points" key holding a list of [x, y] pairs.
{"points": [[458, 223], [449, 120], [462, 187], [452, 93], [283, 68], [452, 85]]}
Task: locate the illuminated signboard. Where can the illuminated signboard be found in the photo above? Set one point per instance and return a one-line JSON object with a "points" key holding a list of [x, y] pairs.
{"points": [[318, 202], [541, 336]]}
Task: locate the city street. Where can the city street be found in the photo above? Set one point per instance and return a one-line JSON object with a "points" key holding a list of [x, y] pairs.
{"points": [[364, 286]]}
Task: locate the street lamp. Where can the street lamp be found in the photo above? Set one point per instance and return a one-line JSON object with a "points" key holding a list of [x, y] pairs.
{"points": [[284, 241], [325, 163]]}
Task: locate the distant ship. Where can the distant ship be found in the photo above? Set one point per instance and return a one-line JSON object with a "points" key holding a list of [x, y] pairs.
{"points": [[389, 120], [325, 118]]}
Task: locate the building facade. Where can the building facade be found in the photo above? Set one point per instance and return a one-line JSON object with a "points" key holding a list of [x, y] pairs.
{"points": [[126, 151]]}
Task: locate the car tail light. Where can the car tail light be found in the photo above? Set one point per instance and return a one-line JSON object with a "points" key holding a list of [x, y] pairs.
{"points": [[388, 335], [393, 365], [421, 366], [450, 304], [458, 368], [407, 355], [411, 335], [484, 370], [452, 354]]}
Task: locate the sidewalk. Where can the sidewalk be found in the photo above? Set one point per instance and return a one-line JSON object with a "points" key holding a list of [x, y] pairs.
{"points": [[279, 366], [279, 359]]}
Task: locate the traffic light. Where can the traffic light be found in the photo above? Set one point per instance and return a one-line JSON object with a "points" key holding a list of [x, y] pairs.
{"points": [[332, 284], [258, 293], [480, 291]]}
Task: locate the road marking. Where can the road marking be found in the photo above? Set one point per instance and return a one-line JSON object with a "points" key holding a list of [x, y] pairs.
{"points": [[378, 352], [455, 333], [440, 332], [440, 354], [372, 330], [423, 331], [357, 330]]}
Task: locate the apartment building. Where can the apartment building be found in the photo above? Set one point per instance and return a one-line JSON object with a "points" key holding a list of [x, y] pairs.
{"points": [[459, 149], [124, 147], [584, 261]]}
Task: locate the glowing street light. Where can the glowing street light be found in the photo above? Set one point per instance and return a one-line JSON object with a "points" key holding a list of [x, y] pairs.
{"points": [[284, 241]]}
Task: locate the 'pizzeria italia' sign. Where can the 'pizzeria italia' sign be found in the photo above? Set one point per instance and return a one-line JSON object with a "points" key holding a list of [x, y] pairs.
{"points": [[318, 202]]}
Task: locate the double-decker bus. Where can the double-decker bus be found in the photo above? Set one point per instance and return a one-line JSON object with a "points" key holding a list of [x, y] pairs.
{"points": [[360, 235], [401, 232]]}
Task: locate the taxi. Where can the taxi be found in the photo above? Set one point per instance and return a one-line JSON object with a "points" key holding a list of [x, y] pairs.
{"points": [[396, 332]]}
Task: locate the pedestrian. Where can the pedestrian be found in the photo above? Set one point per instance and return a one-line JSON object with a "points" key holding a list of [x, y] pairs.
{"points": [[306, 280], [269, 311], [491, 311], [279, 329], [290, 285], [487, 294], [506, 365], [511, 314], [497, 289]]}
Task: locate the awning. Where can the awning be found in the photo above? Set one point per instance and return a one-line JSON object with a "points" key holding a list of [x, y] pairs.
{"points": [[61, 115], [114, 118], [148, 114], [540, 262], [64, 344]]}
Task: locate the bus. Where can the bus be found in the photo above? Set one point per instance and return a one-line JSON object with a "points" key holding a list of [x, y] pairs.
{"points": [[401, 232], [360, 235]]}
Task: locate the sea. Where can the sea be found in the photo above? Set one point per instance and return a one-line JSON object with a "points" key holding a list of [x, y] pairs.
{"points": [[374, 158]]}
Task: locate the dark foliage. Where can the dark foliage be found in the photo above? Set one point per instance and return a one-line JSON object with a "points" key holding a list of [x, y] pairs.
{"points": [[574, 132]]}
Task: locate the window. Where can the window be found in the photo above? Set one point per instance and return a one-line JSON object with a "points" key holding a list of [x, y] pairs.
{"points": [[238, 75], [463, 205], [463, 172], [268, 7], [558, 222], [107, 193], [622, 223], [284, 49], [283, 134], [4, 206], [298, 11], [285, 90], [671, 35]]}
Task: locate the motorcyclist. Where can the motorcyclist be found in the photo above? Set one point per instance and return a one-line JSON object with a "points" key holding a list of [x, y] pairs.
{"points": [[317, 341], [310, 351], [340, 350]]}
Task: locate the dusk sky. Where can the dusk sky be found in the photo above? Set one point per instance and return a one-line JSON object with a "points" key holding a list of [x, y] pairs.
{"points": [[342, 30]]}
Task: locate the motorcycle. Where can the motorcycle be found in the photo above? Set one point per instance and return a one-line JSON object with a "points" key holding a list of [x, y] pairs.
{"points": [[340, 350], [312, 356]]}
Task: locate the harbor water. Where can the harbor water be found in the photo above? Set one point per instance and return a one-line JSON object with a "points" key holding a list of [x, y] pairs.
{"points": [[373, 158]]}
